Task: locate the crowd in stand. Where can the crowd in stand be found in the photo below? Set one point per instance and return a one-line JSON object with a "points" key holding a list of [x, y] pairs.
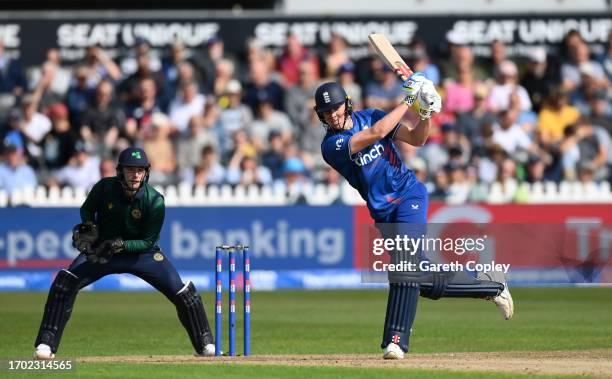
{"points": [[207, 117]]}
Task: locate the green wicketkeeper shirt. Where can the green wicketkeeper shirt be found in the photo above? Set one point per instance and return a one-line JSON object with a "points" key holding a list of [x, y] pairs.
{"points": [[138, 221]]}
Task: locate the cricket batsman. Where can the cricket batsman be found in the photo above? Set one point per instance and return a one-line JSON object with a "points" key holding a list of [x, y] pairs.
{"points": [[121, 221], [360, 146]]}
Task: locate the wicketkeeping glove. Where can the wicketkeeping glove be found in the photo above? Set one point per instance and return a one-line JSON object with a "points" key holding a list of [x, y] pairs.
{"points": [[103, 252], [84, 236]]}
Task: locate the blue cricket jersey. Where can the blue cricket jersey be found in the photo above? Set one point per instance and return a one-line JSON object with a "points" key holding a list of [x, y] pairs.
{"points": [[377, 171]]}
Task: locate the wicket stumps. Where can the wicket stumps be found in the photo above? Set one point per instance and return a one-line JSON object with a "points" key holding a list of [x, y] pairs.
{"points": [[246, 277]]}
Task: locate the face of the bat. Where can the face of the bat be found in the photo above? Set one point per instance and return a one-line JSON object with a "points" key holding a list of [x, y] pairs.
{"points": [[335, 117]]}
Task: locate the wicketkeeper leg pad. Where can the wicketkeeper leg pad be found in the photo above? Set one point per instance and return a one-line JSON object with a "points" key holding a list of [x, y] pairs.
{"points": [[191, 312], [58, 309]]}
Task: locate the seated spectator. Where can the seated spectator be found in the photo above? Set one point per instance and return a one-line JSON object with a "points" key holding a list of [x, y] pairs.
{"points": [[274, 157], [600, 110], [10, 132], [580, 56], [498, 55], [139, 114], [555, 116], [244, 170], [346, 78], [234, 116], [539, 77], [188, 104], [460, 95], [419, 61], [107, 168], [102, 121], [587, 144], [589, 86], [269, 119], [294, 173], [142, 46], [310, 140], [100, 66], [441, 185], [15, 174], [385, 91], [161, 152], [128, 89], [80, 94], [461, 55], [471, 123], [260, 82], [298, 95], [207, 171], [59, 144], [337, 55], [499, 98], [535, 169], [510, 136], [294, 55], [207, 63], [82, 171], [189, 145], [59, 77], [35, 125], [224, 75], [12, 80]]}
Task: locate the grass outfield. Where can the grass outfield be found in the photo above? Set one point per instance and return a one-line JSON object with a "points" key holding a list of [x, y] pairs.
{"points": [[322, 322]]}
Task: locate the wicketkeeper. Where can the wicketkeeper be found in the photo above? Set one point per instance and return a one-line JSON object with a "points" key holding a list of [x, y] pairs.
{"points": [[121, 221]]}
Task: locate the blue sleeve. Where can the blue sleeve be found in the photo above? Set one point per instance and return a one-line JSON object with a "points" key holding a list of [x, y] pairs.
{"points": [[376, 115], [336, 149]]}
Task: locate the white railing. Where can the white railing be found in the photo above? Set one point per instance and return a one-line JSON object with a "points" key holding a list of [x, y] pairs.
{"points": [[184, 195]]}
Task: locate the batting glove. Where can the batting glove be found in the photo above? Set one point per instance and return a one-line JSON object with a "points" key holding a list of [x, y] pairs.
{"points": [[428, 101], [412, 87]]}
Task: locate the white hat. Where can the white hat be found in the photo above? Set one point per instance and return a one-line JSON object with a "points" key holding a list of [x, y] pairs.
{"points": [[233, 86], [508, 68], [456, 38], [537, 54]]}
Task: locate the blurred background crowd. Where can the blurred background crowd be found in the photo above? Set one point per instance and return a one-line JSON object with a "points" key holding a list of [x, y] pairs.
{"points": [[207, 117]]}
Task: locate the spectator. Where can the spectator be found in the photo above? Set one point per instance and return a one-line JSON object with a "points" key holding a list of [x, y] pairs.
{"points": [[269, 119], [441, 184], [297, 101], [600, 110], [274, 157], [100, 66], [188, 104], [294, 173], [208, 171], [419, 61], [461, 56], [189, 145], [471, 123], [310, 140], [161, 152], [15, 174], [580, 56], [539, 77], [142, 47], [10, 133], [509, 135], [59, 80], [80, 94], [498, 55], [12, 79], [59, 144], [555, 116], [139, 114], [261, 84], [337, 55], [346, 78], [102, 121], [293, 57], [460, 95], [129, 88], [82, 171], [107, 168], [244, 170], [207, 63], [499, 99], [35, 125], [385, 91], [535, 169], [585, 144], [225, 74]]}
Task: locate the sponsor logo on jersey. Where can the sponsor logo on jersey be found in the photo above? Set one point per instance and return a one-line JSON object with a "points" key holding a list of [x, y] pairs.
{"points": [[136, 214], [158, 257], [339, 143], [364, 159]]}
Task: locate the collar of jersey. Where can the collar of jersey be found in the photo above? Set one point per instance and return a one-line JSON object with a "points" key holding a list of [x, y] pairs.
{"points": [[119, 191]]}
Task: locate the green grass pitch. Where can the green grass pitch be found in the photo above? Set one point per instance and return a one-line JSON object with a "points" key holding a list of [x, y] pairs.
{"points": [[307, 322]]}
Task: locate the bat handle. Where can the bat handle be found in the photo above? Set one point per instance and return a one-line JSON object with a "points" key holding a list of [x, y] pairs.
{"points": [[403, 72]]}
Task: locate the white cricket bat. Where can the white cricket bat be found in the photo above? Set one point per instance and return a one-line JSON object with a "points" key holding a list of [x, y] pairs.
{"points": [[389, 55]]}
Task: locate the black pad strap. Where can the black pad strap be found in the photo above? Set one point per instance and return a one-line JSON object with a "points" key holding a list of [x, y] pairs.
{"points": [[193, 317], [57, 309]]}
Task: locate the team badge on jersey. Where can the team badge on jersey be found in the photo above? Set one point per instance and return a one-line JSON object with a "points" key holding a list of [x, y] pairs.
{"points": [[158, 257], [136, 214]]}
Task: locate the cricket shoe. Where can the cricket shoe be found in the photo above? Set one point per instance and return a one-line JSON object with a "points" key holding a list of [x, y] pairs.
{"points": [[209, 351], [43, 352], [393, 351], [504, 302]]}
